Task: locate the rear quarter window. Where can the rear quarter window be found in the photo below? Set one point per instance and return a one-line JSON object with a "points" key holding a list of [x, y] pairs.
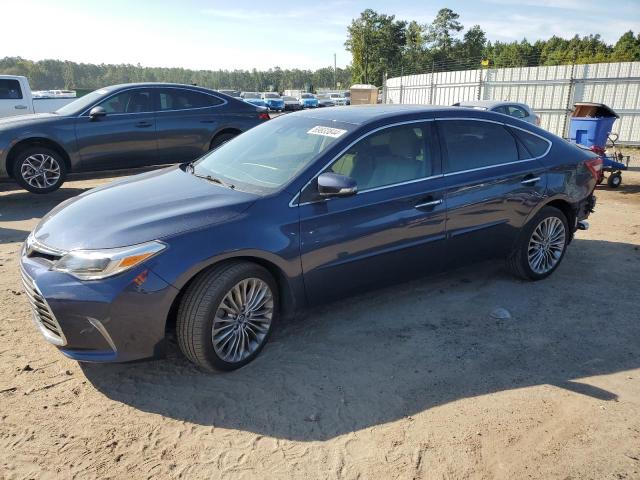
{"points": [[535, 145]]}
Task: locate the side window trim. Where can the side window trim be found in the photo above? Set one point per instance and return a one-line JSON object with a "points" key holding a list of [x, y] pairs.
{"points": [[154, 89], [433, 148], [507, 127]]}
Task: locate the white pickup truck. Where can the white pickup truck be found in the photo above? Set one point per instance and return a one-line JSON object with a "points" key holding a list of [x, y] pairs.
{"points": [[16, 98]]}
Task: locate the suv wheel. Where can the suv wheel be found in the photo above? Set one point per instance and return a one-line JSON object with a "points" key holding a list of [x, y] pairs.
{"points": [[226, 315], [39, 170], [541, 246]]}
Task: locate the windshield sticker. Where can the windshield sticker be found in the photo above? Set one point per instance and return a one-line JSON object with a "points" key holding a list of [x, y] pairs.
{"points": [[327, 131]]}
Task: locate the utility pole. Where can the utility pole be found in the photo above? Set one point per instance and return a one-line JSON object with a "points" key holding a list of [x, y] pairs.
{"points": [[335, 73]]}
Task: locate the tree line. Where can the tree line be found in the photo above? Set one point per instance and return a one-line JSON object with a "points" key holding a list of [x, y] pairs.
{"points": [[381, 44], [51, 74]]}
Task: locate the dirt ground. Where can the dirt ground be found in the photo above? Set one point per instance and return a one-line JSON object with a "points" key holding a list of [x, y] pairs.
{"points": [[415, 381]]}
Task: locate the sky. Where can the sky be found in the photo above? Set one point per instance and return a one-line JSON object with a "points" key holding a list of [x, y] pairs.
{"points": [[223, 34]]}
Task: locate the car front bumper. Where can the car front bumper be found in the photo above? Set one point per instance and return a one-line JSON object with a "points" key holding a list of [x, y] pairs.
{"points": [[118, 319]]}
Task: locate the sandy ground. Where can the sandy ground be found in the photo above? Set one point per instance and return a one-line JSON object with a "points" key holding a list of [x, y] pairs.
{"points": [[416, 381]]}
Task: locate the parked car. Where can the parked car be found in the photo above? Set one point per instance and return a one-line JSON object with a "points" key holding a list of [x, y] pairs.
{"points": [[291, 103], [303, 209], [325, 100], [308, 100], [521, 111], [274, 101], [122, 126], [254, 98], [16, 98], [347, 96], [339, 99]]}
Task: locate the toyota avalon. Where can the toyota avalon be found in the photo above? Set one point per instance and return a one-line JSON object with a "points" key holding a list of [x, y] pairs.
{"points": [[301, 210]]}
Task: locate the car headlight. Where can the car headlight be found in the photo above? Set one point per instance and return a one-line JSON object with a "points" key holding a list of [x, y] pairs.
{"points": [[99, 264]]}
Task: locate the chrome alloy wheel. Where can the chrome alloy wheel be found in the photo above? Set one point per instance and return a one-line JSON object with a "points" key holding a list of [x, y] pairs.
{"points": [[242, 320], [546, 245], [40, 170]]}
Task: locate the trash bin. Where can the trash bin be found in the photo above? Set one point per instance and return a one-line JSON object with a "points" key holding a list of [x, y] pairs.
{"points": [[591, 124]]}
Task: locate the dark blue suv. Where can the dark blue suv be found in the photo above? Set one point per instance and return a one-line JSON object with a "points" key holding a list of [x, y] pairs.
{"points": [[303, 209]]}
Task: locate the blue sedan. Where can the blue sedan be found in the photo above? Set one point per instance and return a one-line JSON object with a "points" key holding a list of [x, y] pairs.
{"points": [[274, 101], [308, 100], [300, 210], [253, 98]]}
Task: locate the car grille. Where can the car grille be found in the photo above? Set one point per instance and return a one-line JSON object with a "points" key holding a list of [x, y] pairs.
{"points": [[42, 314]]}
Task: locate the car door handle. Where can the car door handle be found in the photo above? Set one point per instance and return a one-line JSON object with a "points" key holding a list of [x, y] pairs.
{"points": [[530, 181], [20, 107], [144, 124], [430, 203]]}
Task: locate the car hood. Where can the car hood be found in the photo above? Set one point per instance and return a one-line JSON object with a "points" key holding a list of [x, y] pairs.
{"points": [[149, 206], [28, 119]]}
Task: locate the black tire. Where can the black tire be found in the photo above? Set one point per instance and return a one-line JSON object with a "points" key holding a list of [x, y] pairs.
{"points": [[518, 259], [614, 180], [221, 138], [25, 163], [198, 308]]}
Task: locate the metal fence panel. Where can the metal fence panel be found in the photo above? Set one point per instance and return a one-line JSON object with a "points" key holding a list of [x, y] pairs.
{"points": [[551, 91]]}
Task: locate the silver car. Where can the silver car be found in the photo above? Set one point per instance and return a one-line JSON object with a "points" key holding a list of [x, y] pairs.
{"points": [[513, 109]]}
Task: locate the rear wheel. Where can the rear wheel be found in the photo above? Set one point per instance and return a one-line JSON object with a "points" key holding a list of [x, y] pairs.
{"points": [[39, 169], [614, 180], [221, 138], [226, 316], [541, 245]]}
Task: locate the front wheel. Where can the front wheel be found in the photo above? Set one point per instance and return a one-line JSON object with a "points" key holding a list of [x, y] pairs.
{"points": [[39, 170], [226, 315], [541, 246]]}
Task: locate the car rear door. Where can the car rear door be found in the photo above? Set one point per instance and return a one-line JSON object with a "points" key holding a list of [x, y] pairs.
{"points": [[187, 120], [125, 137], [493, 184], [392, 229]]}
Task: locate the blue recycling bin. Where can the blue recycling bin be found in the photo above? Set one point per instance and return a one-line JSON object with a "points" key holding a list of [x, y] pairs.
{"points": [[591, 124]]}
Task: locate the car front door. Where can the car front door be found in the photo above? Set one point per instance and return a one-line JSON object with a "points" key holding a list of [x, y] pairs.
{"points": [[393, 228], [187, 120], [493, 184], [123, 138]]}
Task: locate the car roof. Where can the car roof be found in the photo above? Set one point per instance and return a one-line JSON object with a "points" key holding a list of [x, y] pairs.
{"points": [[363, 114], [488, 103]]}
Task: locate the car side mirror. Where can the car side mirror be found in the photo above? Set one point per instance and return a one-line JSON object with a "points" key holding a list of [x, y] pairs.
{"points": [[336, 185], [97, 112]]}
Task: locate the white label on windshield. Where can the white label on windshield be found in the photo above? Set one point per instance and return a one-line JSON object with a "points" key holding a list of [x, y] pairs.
{"points": [[327, 131]]}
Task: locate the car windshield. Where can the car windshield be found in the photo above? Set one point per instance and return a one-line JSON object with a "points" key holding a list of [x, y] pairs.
{"points": [[336, 95], [306, 95], [250, 95], [265, 158], [81, 104], [271, 95], [323, 96], [289, 99]]}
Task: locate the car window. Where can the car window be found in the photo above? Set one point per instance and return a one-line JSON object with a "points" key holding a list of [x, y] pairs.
{"points": [[474, 144], [501, 109], [535, 145], [394, 155], [182, 99], [130, 101], [517, 112], [10, 90], [268, 156]]}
